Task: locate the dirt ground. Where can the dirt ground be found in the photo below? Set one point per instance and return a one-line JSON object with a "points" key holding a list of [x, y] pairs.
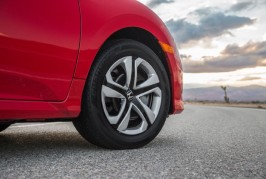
{"points": [[240, 105]]}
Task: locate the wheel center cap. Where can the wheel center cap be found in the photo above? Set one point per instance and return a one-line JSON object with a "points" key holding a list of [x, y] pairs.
{"points": [[130, 95]]}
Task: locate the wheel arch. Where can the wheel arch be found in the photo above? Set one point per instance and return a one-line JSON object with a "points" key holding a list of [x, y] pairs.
{"points": [[131, 20], [145, 37]]}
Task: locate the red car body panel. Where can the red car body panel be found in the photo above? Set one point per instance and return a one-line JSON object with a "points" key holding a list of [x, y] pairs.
{"points": [[52, 88], [38, 110], [39, 44]]}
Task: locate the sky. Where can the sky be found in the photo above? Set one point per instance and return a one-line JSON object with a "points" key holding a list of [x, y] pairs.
{"points": [[221, 42]]}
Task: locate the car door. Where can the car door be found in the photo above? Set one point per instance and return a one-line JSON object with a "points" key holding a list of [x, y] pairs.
{"points": [[39, 44]]}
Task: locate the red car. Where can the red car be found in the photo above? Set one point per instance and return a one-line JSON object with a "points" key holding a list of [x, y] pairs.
{"points": [[109, 66]]}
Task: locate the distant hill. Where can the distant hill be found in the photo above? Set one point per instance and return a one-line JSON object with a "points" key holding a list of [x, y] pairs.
{"points": [[241, 94]]}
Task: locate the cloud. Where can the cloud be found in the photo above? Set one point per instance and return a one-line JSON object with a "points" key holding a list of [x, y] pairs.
{"points": [[263, 2], [250, 78], [246, 5], [154, 3], [232, 58], [239, 6], [211, 24]]}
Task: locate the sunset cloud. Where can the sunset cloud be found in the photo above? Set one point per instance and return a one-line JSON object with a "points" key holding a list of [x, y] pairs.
{"points": [[243, 6], [232, 58], [246, 5], [154, 3], [211, 24], [250, 78]]}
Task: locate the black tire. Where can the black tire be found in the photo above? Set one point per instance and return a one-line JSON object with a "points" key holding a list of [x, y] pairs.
{"points": [[3, 126], [93, 124]]}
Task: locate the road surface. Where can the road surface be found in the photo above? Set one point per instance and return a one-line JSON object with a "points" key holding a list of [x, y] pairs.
{"points": [[202, 142]]}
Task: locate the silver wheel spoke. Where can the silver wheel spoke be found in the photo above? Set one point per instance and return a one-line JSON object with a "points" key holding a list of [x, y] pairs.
{"points": [[152, 89], [147, 110], [123, 127], [138, 61], [144, 124], [128, 68], [124, 123], [108, 75], [114, 119], [109, 92], [110, 81], [152, 80], [152, 76], [157, 99]]}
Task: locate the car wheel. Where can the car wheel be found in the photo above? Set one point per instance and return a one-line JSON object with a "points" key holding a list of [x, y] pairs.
{"points": [[126, 97], [3, 126]]}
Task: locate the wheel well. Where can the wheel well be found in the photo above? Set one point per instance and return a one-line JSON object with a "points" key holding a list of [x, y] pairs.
{"points": [[146, 38]]}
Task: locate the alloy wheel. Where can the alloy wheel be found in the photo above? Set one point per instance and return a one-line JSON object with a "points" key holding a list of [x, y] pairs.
{"points": [[131, 95]]}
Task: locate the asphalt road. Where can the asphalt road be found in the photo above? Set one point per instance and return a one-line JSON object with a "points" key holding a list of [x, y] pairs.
{"points": [[203, 142]]}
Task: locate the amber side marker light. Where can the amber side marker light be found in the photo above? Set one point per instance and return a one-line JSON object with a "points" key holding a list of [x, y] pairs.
{"points": [[166, 48]]}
